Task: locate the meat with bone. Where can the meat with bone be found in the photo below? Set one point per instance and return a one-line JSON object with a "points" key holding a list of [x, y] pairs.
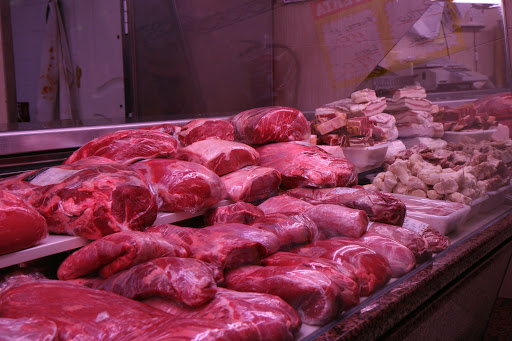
{"points": [[227, 246], [182, 185], [381, 207], [304, 165], [92, 200], [273, 318], [271, 124], [252, 183], [412, 240], [239, 212], [206, 129], [127, 146], [220, 156], [372, 269], [27, 328], [335, 220], [186, 280], [21, 226], [316, 298], [88, 314], [341, 274], [290, 230], [117, 252], [284, 204]]}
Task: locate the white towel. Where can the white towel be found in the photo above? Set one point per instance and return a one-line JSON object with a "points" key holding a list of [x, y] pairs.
{"points": [[56, 73]]}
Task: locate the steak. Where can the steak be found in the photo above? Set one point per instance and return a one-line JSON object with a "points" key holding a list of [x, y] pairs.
{"points": [[290, 230], [271, 124], [284, 204], [240, 212], [206, 129], [182, 185], [335, 220], [252, 183], [127, 146], [304, 165]]}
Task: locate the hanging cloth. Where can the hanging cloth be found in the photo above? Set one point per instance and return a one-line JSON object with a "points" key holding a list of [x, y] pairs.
{"points": [[56, 76]]}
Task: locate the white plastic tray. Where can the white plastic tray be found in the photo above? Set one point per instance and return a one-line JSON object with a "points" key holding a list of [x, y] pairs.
{"points": [[365, 158], [478, 135]]}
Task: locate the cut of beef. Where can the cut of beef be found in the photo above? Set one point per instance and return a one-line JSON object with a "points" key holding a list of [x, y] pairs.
{"points": [[304, 165], [341, 274], [117, 252], [284, 204], [220, 156], [167, 128], [17, 186], [316, 298], [252, 183], [372, 269], [274, 318], [186, 280], [436, 241], [379, 206], [93, 200], [271, 124], [206, 129], [412, 240], [127, 146], [21, 226], [290, 230], [81, 313], [335, 220], [26, 328], [240, 212], [182, 185]]}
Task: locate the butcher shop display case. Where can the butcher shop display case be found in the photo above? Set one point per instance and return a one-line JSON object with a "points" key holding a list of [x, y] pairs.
{"points": [[344, 167]]}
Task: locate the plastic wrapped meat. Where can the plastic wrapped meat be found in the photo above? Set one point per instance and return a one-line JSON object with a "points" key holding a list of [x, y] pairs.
{"points": [[284, 204], [341, 274], [206, 129], [252, 183], [436, 241], [239, 212], [271, 124], [26, 328], [304, 165], [185, 280], [335, 220], [93, 200], [220, 156], [117, 252], [274, 318], [381, 207], [127, 146], [182, 185], [292, 283], [17, 186], [21, 226], [226, 246], [88, 314], [290, 230], [372, 269], [412, 240]]}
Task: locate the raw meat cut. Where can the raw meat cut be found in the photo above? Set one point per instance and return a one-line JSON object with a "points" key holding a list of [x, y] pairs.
{"points": [[401, 260], [81, 313], [127, 146], [220, 156], [182, 185], [274, 318], [93, 200], [185, 280], [316, 298], [335, 220], [21, 226], [304, 165], [252, 183], [412, 240], [206, 129], [341, 274], [117, 252], [17, 186], [435, 240], [381, 207], [226, 246], [290, 230], [240, 212], [284, 204], [372, 269], [271, 124], [167, 128], [26, 328]]}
